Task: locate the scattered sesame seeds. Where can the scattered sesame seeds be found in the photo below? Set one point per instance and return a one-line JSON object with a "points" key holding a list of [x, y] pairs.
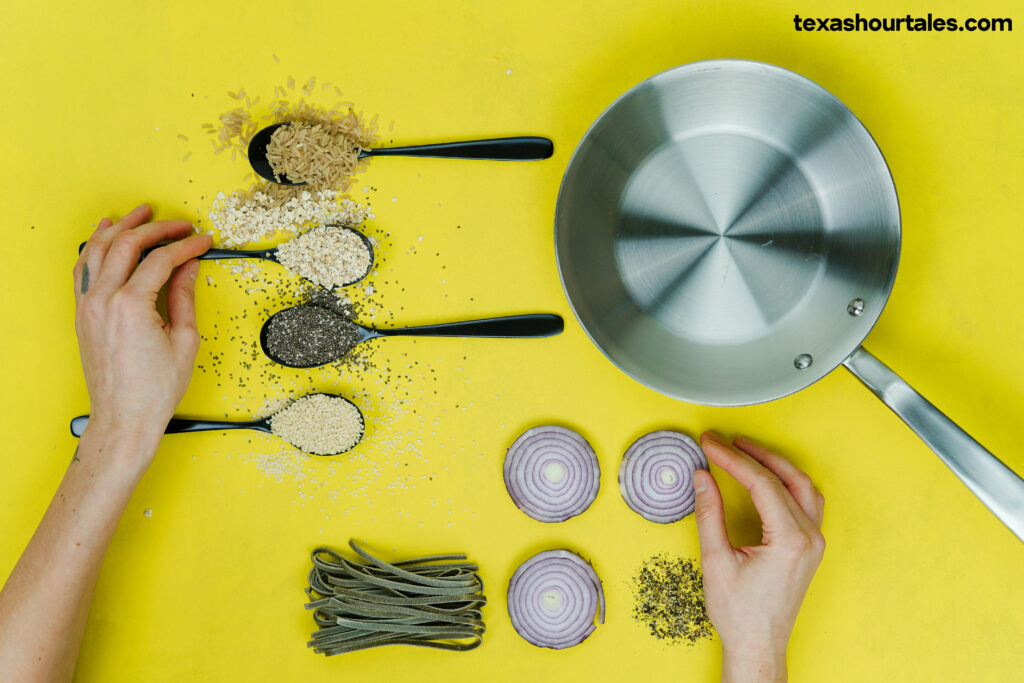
{"points": [[320, 424]]}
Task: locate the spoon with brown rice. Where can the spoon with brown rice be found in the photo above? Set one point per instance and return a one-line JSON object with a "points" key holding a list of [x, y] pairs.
{"points": [[300, 153]]}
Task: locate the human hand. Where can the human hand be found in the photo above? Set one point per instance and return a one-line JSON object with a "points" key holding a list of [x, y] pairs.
{"points": [[137, 366], [753, 594]]}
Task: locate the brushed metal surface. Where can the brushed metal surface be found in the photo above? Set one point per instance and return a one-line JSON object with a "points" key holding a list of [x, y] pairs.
{"points": [[715, 225]]}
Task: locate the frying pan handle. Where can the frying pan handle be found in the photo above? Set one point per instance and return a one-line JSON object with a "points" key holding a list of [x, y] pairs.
{"points": [[995, 484]]}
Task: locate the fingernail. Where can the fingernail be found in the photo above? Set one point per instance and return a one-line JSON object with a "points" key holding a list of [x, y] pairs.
{"points": [[140, 207], [698, 481], [711, 436], [193, 269]]}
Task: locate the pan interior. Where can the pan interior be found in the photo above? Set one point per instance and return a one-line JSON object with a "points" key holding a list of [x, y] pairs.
{"points": [[716, 227]]}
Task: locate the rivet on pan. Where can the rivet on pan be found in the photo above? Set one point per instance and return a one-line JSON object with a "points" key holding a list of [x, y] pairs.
{"points": [[803, 361], [855, 307]]}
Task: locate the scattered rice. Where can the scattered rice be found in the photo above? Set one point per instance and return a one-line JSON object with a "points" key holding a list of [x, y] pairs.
{"points": [[186, 157], [320, 424], [237, 127], [329, 255], [183, 138]]}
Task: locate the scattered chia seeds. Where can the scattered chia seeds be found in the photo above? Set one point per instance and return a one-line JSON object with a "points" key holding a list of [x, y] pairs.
{"points": [[328, 255], [305, 336], [320, 424], [668, 599]]}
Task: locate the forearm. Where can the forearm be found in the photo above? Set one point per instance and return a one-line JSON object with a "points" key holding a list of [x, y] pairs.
{"points": [[45, 602], [754, 666]]}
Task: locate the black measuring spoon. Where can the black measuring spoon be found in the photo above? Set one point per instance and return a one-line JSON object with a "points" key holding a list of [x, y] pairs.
{"points": [[269, 254], [533, 325], [179, 425], [528, 148]]}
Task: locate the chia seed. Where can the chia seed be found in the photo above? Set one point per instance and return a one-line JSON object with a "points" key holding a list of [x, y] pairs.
{"points": [[310, 336]]}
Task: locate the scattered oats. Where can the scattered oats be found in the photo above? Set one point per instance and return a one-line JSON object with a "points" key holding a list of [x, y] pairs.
{"points": [[260, 212]]}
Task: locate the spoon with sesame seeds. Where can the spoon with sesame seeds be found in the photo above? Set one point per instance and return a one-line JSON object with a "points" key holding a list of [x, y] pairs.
{"points": [[523, 148], [319, 424], [311, 336], [330, 256]]}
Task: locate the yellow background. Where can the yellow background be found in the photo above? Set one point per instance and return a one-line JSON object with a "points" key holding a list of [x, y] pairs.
{"points": [[919, 581]]}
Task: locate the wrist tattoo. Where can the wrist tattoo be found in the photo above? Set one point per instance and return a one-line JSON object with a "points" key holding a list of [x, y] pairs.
{"points": [[85, 278], [74, 457]]}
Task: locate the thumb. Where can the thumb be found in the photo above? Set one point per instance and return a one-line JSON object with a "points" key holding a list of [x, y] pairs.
{"points": [[181, 305], [710, 514]]}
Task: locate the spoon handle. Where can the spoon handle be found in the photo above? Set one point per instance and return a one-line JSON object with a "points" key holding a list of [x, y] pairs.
{"points": [[213, 254], [497, 149], [177, 425], [518, 326]]}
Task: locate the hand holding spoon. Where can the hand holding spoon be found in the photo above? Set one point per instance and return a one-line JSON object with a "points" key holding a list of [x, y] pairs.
{"points": [[274, 256], [299, 423], [310, 336], [527, 148]]}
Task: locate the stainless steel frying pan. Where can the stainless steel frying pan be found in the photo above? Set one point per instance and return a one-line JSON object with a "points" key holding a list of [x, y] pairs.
{"points": [[727, 233]]}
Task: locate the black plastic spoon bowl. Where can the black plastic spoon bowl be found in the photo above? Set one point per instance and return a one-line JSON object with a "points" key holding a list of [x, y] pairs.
{"points": [[529, 326], [269, 254], [179, 425], [527, 148]]}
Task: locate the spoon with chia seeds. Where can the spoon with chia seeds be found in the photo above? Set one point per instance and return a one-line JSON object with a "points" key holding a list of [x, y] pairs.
{"points": [[311, 336], [319, 424], [524, 148], [330, 256]]}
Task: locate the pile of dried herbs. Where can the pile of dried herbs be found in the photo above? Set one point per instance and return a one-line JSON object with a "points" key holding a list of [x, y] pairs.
{"points": [[668, 599]]}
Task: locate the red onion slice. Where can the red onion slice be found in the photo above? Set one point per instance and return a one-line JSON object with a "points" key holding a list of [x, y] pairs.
{"points": [[551, 473], [553, 599], [656, 475]]}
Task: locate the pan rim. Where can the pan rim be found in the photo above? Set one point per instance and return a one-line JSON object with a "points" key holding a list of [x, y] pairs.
{"points": [[886, 290]]}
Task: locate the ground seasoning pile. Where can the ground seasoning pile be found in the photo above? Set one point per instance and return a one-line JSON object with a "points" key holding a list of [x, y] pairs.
{"points": [[668, 599], [329, 255], [307, 336], [320, 424]]}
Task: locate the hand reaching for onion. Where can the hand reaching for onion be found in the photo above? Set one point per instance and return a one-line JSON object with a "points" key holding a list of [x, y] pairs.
{"points": [[753, 593]]}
